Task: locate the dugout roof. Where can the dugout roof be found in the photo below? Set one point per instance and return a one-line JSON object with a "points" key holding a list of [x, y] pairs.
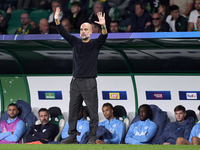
{"points": [[123, 53]]}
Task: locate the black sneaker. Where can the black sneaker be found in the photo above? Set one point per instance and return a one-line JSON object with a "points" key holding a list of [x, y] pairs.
{"points": [[69, 141], [91, 141]]}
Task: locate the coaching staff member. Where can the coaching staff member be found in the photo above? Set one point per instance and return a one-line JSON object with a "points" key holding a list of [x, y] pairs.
{"points": [[83, 85]]}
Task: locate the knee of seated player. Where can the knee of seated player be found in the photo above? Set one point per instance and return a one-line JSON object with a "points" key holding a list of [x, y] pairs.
{"points": [[195, 140], [179, 140]]}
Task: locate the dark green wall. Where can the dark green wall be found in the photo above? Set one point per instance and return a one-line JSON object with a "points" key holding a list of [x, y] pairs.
{"points": [[12, 89]]}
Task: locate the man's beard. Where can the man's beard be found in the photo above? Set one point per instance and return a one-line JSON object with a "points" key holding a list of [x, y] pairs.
{"points": [[145, 118], [12, 117], [44, 121], [86, 38], [26, 24]]}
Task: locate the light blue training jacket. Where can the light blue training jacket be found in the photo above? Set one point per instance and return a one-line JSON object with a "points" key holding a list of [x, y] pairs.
{"points": [[141, 132]]}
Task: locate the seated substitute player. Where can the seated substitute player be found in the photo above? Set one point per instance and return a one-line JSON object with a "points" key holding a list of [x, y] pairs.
{"points": [[12, 129], [179, 128], [194, 138], [82, 127], [115, 126], [142, 132]]}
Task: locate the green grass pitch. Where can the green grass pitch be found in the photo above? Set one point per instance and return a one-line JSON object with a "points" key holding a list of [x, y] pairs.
{"points": [[96, 147]]}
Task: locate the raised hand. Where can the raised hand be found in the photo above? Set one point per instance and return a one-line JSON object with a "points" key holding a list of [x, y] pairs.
{"points": [[56, 16], [101, 18], [9, 10]]}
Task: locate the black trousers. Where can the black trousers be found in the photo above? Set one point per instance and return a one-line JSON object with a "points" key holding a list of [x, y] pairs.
{"points": [[83, 89]]}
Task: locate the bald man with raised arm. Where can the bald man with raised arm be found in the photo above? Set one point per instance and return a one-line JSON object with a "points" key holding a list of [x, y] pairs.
{"points": [[83, 85]]}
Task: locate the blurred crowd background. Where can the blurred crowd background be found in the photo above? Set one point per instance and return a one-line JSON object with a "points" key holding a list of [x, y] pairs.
{"points": [[37, 16]]}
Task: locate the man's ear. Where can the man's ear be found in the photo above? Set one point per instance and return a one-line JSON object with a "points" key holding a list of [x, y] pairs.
{"points": [[79, 8], [17, 111]]}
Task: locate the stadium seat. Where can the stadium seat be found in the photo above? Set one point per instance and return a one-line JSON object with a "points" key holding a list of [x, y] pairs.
{"points": [[3, 12], [121, 114], [123, 28], [15, 19], [36, 15], [160, 118], [12, 29], [87, 113], [56, 118], [191, 113]]}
